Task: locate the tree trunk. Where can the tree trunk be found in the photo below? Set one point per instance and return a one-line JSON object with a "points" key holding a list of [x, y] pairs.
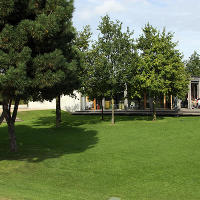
{"points": [[145, 100], [10, 119], [113, 111], [151, 103], [11, 131], [58, 112], [154, 110], [1, 118], [102, 117]]}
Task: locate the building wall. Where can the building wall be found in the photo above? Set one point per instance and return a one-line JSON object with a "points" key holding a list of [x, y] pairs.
{"points": [[68, 103], [197, 81], [42, 105], [71, 104]]}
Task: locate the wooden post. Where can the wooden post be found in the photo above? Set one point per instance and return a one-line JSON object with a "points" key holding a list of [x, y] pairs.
{"points": [[190, 97], [113, 111], [125, 99], [95, 104], [171, 102], [58, 111], [165, 102], [145, 100]]}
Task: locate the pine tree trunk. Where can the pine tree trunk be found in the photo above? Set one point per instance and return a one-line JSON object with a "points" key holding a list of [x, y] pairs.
{"points": [[154, 110], [10, 119], [58, 112], [11, 131], [102, 117], [1, 118], [113, 111]]}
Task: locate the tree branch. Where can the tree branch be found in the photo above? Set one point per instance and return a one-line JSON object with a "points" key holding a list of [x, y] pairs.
{"points": [[14, 115], [1, 118], [6, 112], [9, 105]]}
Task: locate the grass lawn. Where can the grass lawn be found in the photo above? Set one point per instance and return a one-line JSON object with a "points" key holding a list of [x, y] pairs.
{"points": [[86, 159]]}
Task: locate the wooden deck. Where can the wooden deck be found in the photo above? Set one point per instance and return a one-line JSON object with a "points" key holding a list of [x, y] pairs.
{"points": [[160, 112]]}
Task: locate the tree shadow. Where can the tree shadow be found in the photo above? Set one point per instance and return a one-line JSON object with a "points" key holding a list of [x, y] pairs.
{"points": [[137, 118], [69, 120], [41, 140], [37, 144], [78, 120]]}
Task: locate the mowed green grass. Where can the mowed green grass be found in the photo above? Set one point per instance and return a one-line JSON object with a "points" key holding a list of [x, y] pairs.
{"points": [[87, 159]]}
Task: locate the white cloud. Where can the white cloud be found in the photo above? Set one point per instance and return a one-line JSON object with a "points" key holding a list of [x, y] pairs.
{"points": [[179, 16], [99, 8], [109, 6]]}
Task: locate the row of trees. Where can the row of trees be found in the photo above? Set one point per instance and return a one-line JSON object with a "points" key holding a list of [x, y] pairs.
{"points": [[43, 57], [115, 62]]}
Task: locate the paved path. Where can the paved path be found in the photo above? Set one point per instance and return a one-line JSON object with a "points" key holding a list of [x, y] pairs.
{"points": [[26, 109]]}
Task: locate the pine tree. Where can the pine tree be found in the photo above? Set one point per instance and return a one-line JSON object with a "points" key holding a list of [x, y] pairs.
{"points": [[30, 57], [68, 53]]}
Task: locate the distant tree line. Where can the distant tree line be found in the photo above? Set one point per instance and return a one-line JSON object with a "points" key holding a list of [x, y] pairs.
{"points": [[115, 62]]}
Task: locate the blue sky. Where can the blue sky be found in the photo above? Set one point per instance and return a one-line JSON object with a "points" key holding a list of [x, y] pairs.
{"points": [[179, 16]]}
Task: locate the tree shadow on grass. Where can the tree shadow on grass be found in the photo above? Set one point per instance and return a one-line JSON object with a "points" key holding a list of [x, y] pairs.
{"points": [[69, 120], [137, 118], [78, 120], [41, 140], [37, 144]]}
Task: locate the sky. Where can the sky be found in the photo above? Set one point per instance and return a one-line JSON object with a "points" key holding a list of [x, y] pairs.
{"points": [[182, 17]]}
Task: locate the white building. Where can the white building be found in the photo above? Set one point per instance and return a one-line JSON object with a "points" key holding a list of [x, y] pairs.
{"points": [[68, 103], [81, 103]]}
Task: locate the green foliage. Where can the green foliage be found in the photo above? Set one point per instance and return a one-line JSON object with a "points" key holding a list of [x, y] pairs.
{"points": [[59, 68], [193, 64], [95, 77], [82, 43], [115, 46], [109, 60], [83, 39], [161, 70], [37, 54]]}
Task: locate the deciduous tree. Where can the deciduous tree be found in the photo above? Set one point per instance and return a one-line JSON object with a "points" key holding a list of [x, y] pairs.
{"points": [[193, 64], [114, 48], [161, 70]]}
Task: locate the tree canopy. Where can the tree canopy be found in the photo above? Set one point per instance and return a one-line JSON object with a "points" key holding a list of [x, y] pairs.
{"points": [[108, 61], [193, 64], [161, 70], [64, 62], [31, 57]]}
